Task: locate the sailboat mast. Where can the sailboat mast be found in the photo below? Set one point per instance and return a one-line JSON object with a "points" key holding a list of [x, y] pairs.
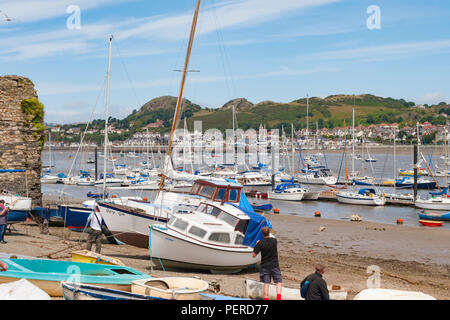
{"points": [[50, 150], [395, 159], [180, 96], [353, 142], [307, 117], [446, 157], [292, 149], [105, 159]]}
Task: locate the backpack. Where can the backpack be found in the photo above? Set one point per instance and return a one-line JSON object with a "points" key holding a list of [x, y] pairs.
{"points": [[304, 288]]}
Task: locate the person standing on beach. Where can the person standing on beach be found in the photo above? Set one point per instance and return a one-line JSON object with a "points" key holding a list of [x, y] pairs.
{"points": [[46, 216], [317, 287], [95, 236], [3, 220], [269, 268]]}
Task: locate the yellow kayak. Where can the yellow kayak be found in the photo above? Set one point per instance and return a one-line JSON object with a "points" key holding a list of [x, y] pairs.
{"points": [[87, 256]]}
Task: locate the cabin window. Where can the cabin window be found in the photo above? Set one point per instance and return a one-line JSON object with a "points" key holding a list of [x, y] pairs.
{"points": [[221, 194], [220, 237], [239, 239], [213, 211], [201, 207], [242, 226], [196, 231], [233, 196], [180, 224], [207, 191], [195, 188], [228, 218]]}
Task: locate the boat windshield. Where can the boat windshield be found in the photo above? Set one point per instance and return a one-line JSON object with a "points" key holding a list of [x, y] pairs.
{"points": [[207, 191]]}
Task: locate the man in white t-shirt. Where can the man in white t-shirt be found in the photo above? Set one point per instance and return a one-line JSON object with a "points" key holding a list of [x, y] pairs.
{"points": [[95, 236]]}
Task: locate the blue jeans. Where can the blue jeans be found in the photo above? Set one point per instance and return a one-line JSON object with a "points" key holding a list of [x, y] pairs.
{"points": [[2, 231]]}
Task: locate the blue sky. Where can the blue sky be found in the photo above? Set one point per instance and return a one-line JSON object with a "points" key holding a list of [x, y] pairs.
{"points": [[258, 49]]}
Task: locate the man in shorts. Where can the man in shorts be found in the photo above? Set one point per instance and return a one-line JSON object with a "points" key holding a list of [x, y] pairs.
{"points": [[269, 268]]}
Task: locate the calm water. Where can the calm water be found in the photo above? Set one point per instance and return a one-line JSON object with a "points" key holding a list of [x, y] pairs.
{"points": [[382, 169]]}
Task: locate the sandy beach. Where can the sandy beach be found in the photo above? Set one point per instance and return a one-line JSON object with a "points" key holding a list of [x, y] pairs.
{"points": [[416, 259]]}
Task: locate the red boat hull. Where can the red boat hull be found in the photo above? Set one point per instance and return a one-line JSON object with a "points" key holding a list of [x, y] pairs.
{"points": [[431, 223], [257, 194]]}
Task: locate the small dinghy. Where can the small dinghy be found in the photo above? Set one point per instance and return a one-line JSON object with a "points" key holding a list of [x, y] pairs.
{"points": [[389, 294], [431, 223], [87, 256], [173, 288], [255, 290], [77, 291], [434, 215], [47, 274], [262, 207]]}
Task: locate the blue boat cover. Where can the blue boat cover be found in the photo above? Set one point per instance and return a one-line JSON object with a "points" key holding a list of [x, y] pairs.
{"points": [[363, 191], [444, 191], [256, 223]]}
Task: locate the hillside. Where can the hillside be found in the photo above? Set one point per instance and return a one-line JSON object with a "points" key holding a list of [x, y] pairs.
{"points": [[330, 112], [327, 112]]}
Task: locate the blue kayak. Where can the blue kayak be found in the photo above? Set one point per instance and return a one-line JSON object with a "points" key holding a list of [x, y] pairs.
{"points": [[434, 215]]}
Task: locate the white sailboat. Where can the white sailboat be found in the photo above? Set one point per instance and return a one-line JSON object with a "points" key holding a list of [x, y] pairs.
{"points": [[48, 177]]}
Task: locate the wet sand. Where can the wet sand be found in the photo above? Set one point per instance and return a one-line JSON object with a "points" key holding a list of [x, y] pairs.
{"points": [[416, 259]]}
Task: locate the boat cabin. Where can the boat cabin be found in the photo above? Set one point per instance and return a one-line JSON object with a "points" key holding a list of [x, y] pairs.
{"points": [[217, 191], [213, 224]]}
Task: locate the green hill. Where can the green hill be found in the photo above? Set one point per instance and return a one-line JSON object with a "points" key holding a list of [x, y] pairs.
{"points": [[326, 112]]}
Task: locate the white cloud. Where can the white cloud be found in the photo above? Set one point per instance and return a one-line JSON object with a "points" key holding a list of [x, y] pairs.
{"points": [[22, 11], [382, 52], [226, 14], [431, 98]]}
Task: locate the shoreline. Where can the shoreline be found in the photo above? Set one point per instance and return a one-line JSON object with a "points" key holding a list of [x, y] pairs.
{"points": [[410, 258]]}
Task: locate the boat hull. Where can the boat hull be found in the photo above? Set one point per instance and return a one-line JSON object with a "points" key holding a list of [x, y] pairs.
{"points": [[72, 291], [127, 225], [286, 196], [433, 205], [431, 223], [175, 251], [435, 216], [48, 274], [368, 201]]}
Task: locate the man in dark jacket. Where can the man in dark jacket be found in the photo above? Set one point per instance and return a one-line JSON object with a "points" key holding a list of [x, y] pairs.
{"points": [[317, 289]]}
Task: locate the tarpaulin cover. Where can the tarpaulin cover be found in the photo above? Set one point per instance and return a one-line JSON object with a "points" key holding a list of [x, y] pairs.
{"points": [[256, 223]]}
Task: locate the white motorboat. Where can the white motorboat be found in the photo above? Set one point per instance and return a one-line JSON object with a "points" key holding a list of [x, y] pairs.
{"points": [[49, 178], [211, 238], [293, 192], [110, 182], [322, 177], [434, 203], [87, 181], [287, 191], [252, 179], [364, 196]]}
